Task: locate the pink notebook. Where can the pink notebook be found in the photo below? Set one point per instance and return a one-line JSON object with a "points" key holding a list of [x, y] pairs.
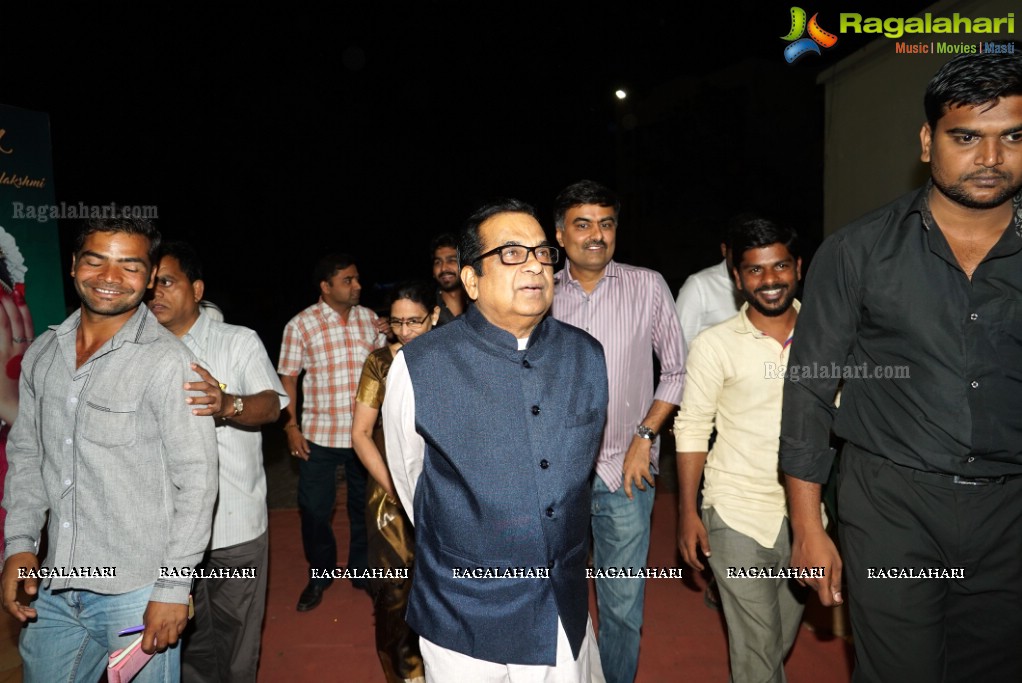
{"points": [[126, 663]]}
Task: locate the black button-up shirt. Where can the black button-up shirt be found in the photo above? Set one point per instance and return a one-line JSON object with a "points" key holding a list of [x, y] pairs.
{"points": [[931, 362]]}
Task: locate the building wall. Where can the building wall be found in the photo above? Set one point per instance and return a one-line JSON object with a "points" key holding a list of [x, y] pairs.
{"points": [[874, 112]]}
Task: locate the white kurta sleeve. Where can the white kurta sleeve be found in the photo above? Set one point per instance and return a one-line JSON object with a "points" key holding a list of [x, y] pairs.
{"points": [[405, 447]]}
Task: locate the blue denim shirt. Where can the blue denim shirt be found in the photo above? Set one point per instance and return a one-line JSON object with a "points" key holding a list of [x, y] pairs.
{"points": [[113, 453]]}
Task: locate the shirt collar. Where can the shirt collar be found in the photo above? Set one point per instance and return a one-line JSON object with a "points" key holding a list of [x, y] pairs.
{"points": [[137, 329], [141, 328], [612, 269], [199, 331], [721, 269], [921, 205], [744, 326], [326, 311], [501, 341]]}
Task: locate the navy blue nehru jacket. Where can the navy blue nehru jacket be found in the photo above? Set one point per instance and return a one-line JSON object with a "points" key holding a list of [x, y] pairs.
{"points": [[511, 440]]}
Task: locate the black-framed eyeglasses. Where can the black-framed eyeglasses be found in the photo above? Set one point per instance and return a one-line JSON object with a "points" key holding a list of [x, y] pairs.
{"points": [[516, 254], [414, 323]]}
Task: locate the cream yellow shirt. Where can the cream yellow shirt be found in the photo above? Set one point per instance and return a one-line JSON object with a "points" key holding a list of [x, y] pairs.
{"points": [[735, 379]]}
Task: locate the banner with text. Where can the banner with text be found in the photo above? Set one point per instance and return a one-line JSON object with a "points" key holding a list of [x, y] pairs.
{"points": [[30, 259]]}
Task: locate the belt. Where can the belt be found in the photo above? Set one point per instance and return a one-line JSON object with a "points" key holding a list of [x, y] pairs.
{"points": [[942, 478], [971, 481]]}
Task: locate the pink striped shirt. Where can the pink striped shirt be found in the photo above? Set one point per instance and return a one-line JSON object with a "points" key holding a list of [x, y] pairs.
{"points": [[631, 313]]}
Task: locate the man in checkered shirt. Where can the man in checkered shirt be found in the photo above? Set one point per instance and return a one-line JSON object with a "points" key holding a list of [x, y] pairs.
{"points": [[329, 341]]}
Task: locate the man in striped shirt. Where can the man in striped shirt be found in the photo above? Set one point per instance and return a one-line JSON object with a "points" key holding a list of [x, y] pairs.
{"points": [[330, 341], [631, 312], [241, 392]]}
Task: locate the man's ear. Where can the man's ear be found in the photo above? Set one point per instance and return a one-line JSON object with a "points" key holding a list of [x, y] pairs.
{"points": [[925, 140], [198, 288], [73, 262], [737, 279], [324, 287], [560, 236], [435, 315], [798, 269], [470, 281]]}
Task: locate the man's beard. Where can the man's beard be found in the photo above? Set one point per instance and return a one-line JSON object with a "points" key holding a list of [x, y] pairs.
{"points": [[782, 307], [455, 283], [958, 194]]}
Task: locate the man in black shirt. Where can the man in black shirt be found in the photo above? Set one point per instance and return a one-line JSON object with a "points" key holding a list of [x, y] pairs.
{"points": [[917, 308]]}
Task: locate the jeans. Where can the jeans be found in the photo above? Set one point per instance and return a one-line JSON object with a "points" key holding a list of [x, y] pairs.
{"points": [[620, 539], [317, 491], [77, 630]]}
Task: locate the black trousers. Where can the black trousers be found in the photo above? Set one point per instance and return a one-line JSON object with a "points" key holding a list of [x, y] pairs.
{"points": [[222, 642], [931, 629]]}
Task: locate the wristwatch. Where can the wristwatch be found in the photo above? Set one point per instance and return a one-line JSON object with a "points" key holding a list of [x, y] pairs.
{"points": [[645, 432], [239, 406]]}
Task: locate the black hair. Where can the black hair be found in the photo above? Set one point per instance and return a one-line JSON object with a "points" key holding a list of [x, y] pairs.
{"points": [[972, 80], [130, 226], [580, 193], [471, 243], [415, 291], [444, 240], [329, 265], [752, 232], [187, 258]]}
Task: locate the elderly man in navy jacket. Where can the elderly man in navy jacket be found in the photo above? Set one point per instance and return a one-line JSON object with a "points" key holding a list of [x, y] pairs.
{"points": [[493, 423]]}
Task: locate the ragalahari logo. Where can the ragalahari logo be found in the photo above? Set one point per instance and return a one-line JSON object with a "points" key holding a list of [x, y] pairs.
{"points": [[801, 46]]}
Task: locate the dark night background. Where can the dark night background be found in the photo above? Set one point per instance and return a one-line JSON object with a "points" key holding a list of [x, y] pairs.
{"points": [[268, 136]]}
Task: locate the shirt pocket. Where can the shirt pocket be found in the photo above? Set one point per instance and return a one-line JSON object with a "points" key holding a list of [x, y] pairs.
{"points": [[109, 423], [582, 433], [583, 418]]}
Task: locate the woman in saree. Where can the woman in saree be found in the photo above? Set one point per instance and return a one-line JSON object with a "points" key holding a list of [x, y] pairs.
{"points": [[391, 540]]}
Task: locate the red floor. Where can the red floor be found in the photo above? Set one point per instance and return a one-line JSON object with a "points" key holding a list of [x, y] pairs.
{"points": [[682, 639]]}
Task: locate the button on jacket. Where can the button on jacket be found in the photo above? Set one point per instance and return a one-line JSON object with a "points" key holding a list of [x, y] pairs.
{"points": [[469, 463]]}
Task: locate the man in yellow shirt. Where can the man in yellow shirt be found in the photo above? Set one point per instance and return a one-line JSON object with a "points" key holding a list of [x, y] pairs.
{"points": [[735, 380]]}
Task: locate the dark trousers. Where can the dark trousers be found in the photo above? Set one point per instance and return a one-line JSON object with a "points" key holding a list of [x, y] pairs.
{"points": [[931, 630], [317, 491], [228, 624]]}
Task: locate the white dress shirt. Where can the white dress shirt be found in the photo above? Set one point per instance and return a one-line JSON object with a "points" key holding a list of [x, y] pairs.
{"points": [[236, 358], [707, 298]]}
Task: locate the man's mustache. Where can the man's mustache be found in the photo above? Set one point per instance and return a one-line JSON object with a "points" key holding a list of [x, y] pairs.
{"points": [[766, 287]]}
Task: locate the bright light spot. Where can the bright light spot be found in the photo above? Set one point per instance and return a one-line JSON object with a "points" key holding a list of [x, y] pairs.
{"points": [[621, 94]]}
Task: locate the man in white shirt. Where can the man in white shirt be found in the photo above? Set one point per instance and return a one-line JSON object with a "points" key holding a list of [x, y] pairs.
{"points": [[735, 380], [706, 298], [241, 391]]}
